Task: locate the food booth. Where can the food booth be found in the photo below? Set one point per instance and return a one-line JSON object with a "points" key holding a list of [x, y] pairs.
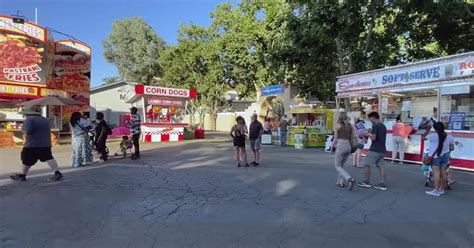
{"points": [[27, 71], [439, 89], [315, 122], [162, 111]]}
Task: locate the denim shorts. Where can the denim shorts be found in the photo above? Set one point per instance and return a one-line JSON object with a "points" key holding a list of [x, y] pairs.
{"points": [[442, 161]]}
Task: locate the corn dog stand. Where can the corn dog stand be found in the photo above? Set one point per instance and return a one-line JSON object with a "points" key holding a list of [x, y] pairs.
{"points": [[161, 111], [440, 89]]}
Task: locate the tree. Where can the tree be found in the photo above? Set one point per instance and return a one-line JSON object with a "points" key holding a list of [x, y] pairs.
{"points": [[195, 63], [134, 47], [111, 80]]}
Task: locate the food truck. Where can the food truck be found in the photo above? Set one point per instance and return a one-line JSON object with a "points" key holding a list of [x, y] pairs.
{"points": [[27, 72], [161, 110], [440, 89], [314, 124]]}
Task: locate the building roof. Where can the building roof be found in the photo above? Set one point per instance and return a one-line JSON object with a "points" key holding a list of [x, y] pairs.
{"points": [[104, 87]]}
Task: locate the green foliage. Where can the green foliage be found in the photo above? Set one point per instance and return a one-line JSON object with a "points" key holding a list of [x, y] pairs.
{"points": [[307, 43], [134, 47], [111, 80]]}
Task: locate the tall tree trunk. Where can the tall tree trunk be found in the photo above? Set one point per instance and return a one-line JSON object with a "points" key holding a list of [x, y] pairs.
{"points": [[350, 61], [340, 55], [370, 30]]}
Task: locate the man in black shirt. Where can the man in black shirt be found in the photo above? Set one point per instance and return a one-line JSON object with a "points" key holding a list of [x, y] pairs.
{"points": [[255, 136], [376, 154], [101, 133]]}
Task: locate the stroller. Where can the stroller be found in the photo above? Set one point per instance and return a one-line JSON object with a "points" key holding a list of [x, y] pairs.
{"points": [[428, 173], [96, 153]]}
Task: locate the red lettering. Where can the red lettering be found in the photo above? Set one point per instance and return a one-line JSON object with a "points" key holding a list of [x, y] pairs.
{"points": [[468, 65]]}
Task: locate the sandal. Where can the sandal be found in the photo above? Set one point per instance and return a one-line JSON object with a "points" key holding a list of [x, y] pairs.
{"points": [[352, 182]]}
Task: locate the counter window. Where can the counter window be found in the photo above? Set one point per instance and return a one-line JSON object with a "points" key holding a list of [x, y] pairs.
{"points": [[457, 107], [359, 106], [413, 106]]}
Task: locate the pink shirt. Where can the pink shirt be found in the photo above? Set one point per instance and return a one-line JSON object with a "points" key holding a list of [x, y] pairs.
{"points": [[402, 130]]}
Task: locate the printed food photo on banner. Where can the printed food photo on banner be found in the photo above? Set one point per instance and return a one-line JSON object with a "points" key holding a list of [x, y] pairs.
{"points": [[26, 53]]}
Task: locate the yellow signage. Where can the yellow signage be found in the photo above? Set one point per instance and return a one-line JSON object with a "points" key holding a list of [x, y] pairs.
{"points": [[18, 90], [52, 92], [29, 29]]}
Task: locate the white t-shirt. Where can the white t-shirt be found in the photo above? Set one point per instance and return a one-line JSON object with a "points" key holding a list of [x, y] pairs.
{"points": [[433, 140]]}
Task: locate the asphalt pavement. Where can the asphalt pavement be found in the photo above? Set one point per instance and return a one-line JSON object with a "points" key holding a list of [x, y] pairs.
{"points": [[191, 194]]}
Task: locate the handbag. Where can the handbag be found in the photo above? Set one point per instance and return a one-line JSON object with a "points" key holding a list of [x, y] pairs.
{"points": [[354, 141], [428, 160]]}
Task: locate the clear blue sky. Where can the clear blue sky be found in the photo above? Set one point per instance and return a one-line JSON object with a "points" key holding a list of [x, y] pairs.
{"points": [[91, 21]]}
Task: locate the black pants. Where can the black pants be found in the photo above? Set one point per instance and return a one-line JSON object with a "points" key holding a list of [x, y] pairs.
{"points": [[102, 150], [136, 144]]}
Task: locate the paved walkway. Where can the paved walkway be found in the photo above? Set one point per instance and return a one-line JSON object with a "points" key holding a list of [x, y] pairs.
{"points": [[192, 195]]}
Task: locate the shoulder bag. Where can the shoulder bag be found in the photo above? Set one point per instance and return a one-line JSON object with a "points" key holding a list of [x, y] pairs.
{"points": [[354, 141]]}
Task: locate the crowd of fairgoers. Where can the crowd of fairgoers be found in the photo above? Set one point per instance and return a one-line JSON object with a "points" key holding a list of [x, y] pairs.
{"points": [[350, 139]]}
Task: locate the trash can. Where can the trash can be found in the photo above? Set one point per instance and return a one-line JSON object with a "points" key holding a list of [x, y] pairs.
{"points": [[199, 133]]}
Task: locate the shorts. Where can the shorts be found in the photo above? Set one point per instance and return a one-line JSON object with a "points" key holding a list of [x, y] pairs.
{"points": [[255, 144], [31, 155], [239, 141], [442, 161], [375, 159]]}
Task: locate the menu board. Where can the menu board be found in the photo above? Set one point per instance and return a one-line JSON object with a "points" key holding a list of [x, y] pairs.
{"points": [[26, 53]]}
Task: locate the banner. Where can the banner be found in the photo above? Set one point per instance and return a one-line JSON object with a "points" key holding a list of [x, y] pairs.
{"points": [[273, 90], [408, 74], [25, 53]]}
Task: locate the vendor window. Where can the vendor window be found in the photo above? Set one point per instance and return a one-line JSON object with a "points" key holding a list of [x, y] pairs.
{"points": [[457, 107], [360, 106], [414, 107]]}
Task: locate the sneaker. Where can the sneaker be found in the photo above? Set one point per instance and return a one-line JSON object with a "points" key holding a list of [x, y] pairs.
{"points": [[364, 184], [433, 193], [253, 163], [247, 165], [239, 165], [256, 164], [135, 157], [57, 177], [18, 177], [381, 186]]}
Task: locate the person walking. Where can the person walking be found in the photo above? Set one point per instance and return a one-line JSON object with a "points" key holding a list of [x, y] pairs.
{"points": [[439, 147], [255, 136], [135, 130], [239, 133], [376, 155], [81, 146], [361, 134], [37, 146], [283, 131], [401, 133], [102, 130], [342, 146]]}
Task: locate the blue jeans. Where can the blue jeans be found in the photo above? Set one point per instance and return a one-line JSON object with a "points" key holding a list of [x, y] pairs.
{"points": [[442, 161], [283, 139]]}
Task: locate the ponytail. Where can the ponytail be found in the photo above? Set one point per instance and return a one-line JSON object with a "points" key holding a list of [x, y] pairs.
{"points": [[439, 128]]}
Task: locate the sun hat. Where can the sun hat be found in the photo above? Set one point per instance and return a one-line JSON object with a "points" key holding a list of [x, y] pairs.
{"points": [[30, 110]]}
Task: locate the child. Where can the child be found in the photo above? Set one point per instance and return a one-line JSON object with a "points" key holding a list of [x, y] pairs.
{"points": [[125, 145]]}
